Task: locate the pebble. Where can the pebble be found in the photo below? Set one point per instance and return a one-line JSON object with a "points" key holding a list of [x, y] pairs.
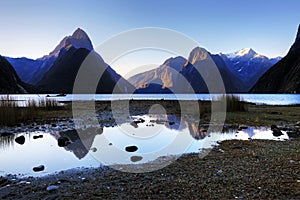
{"points": [[136, 158], [131, 148], [39, 168], [52, 187]]}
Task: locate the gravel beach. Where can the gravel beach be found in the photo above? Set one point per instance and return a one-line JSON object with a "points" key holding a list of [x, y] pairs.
{"points": [[234, 169], [261, 169]]}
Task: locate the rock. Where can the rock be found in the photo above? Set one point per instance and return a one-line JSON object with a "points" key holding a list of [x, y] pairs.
{"points": [[276, 131], [171, 123], [20, 140], [293, 134], [63, 141], [136, 158], [134, 124], [297, 123], [37, 136], [131, 148], [39, 168], [4, 181], [94, 149], [52, 187]]}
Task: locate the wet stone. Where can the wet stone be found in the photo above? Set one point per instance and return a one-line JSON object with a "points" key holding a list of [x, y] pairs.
{"points": [[37, 136], [136, 158], [39, 168], [63, 141], [94, 149], [131, 148], [52, 187], [20, 140]]}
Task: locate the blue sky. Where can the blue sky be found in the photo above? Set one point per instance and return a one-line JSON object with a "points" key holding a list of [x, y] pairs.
{"points": [[32, 28]]}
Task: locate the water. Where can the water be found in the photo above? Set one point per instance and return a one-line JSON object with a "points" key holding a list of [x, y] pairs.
{"points": [[155, 136], [268, 99]]}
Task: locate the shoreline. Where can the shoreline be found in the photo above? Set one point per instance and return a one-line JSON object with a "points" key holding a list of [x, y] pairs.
{"points": [[225, 168], [243, 169]]}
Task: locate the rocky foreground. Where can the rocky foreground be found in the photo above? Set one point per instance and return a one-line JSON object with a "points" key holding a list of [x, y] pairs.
{"points": [[234, 169]]}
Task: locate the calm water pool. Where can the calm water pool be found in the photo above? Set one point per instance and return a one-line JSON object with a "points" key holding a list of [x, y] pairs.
{"points": [[154, 136]]}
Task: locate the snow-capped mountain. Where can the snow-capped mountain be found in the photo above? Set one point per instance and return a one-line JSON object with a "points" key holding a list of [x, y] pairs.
{"points": [[31, 71], [180, 75], [248, 65]]}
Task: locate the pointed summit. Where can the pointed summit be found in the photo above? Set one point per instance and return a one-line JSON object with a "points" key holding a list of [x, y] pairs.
{"points": [[79, 39], [80, 34], [196, 54], [246, 52]]}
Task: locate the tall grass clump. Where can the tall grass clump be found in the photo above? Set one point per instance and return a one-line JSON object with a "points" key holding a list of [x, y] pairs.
{"points": [[11, 112], [234, 103], [8, 107], [49, 104]]}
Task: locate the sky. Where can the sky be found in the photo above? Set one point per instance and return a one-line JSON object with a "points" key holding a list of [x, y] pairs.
{"points": [[32, 28]]}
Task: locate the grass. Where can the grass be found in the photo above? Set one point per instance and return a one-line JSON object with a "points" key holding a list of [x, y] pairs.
{"points": [[234, 103], [12, 113]]}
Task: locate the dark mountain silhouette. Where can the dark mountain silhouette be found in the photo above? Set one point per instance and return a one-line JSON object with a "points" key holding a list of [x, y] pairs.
{"points": [[31, 71], [61, 76], [283, 77], [10, 83]]}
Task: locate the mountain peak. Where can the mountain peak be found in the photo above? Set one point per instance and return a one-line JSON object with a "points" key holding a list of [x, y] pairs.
{"points": [[79, 39], [246, 51], [196, 54], [80, 34]]}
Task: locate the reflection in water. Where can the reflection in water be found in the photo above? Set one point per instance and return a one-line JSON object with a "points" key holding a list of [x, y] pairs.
{"points": [[6, 141], [156, 136], [80, 146]]}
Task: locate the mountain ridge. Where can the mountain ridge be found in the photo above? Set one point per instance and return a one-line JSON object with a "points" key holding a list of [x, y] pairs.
{"points": [[284, 76]]}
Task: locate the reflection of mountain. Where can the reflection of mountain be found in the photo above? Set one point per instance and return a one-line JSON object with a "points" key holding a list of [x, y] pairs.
{"points": [[6, 140], [80, 146], [173, 122]]}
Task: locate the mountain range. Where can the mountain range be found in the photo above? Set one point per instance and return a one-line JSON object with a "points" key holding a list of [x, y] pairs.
{"points": [[283, 77], [239, 71], [57, 71]]}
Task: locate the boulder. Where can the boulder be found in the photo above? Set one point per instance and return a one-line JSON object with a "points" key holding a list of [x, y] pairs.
{"points": [[131, 148], [39, 168], [20, 140], [63, 141], [276, 131]]}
